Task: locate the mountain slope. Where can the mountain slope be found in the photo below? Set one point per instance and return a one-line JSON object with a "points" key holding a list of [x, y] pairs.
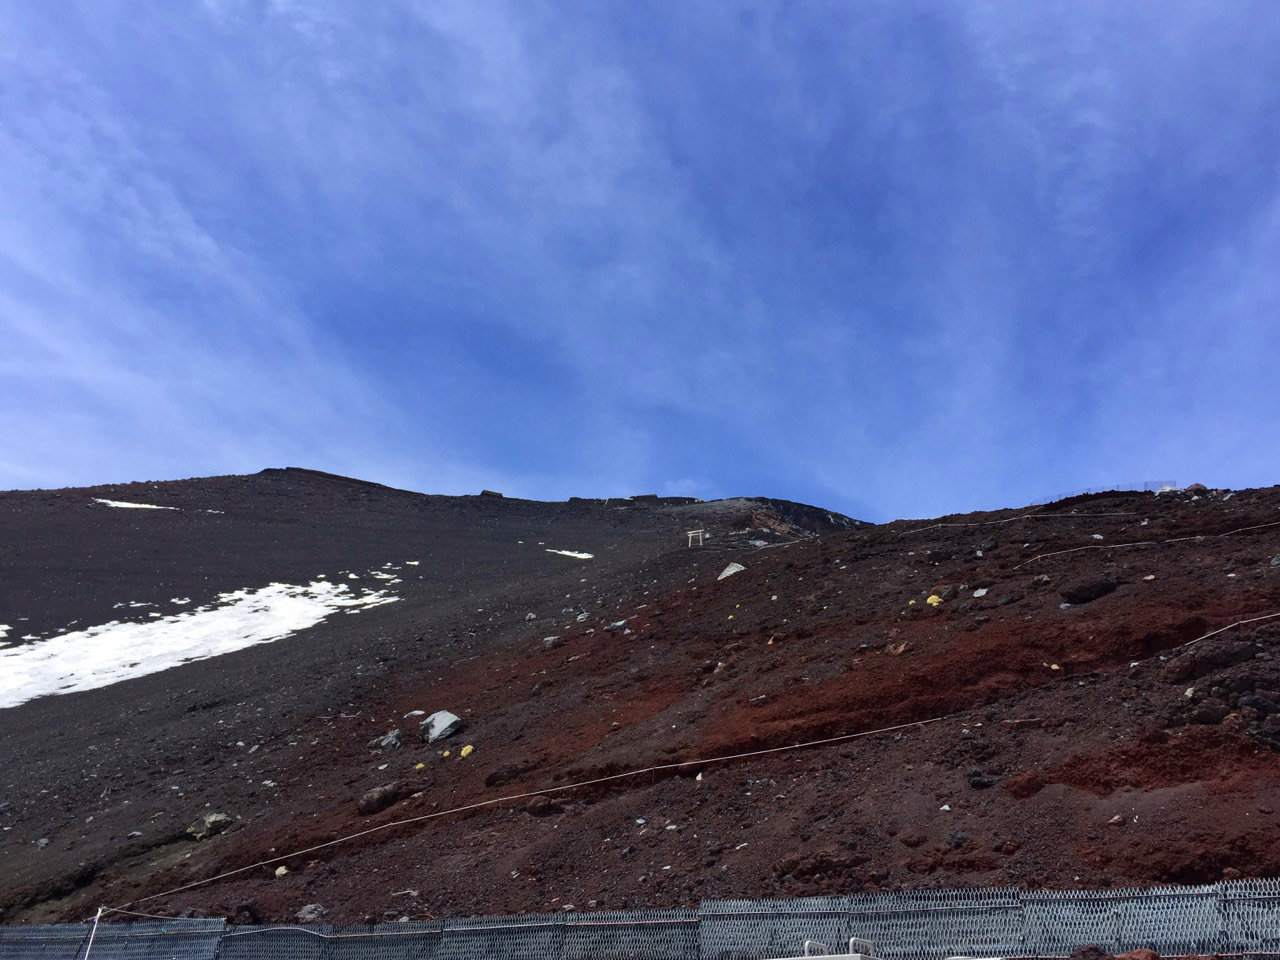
{"points": [[1063, 747]]}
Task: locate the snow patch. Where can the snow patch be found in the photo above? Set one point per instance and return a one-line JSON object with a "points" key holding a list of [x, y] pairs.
{"points": [[125, 505], [4, 630], [115, 651], [572, 553]]}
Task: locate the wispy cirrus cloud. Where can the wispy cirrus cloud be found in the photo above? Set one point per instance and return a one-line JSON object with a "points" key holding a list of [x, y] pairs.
{"points": [[896, 258]]}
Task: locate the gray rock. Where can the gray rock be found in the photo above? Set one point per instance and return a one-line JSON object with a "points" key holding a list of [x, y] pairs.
{"points": [[530, 616], [381, 797], [550, 643], [1275, 561], [209, 825], [1086, 591], [1264, 706], [311, 913], [439, 725], [1209, 712], [980, 779], [614, 627], [730, 570], [42, 842], [386, 742]]}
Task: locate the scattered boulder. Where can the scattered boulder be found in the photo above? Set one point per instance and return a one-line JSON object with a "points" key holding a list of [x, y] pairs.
{"points": [[439, 725], [1202, 660], [248, 912], [615, 626], [490, 493], [1209, 712], [980, 779], [1264, 706], [209, 825], [311, 913], [387, 742], [550, 643], [379, 798], [730, 570], [823, 863], [542, 806], [1086, 591], [1275, 561], [1196, 488]]}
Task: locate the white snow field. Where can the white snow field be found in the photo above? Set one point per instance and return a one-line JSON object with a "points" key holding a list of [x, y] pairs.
{"points": [[126, 505], [115, 651]]}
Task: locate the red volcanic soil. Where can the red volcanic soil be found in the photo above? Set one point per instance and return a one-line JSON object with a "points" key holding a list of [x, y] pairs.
{"points": [[1089, 744]]}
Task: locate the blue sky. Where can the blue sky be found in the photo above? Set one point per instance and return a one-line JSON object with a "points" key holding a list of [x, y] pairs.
{"points": [[894, 258]]}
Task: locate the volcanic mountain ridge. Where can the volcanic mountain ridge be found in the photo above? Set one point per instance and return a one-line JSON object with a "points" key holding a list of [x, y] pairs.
{"points": [[1056, 701]]}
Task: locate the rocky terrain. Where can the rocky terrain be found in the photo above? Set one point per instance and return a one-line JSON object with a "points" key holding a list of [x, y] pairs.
{"points": [[1059, 705]]}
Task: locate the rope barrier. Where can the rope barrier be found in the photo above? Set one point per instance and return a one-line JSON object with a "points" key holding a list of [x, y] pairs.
{"points": [[524, 796], [1238, 623], [1147, 543], [1024, 516]]}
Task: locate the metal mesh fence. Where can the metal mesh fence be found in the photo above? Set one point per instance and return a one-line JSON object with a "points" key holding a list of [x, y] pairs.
{"points": [[534, 937], [632, 934], [62, 942], [1237, 917], [387, 941], [931, 923], [757, 929], [276, 943], [1251, 914]]}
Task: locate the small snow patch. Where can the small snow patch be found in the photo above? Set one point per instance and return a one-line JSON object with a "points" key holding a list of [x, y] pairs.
{"points": [[125, 505], [572, 553], [730, 570]]}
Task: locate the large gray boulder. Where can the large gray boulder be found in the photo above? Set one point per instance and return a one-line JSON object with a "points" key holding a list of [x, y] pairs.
{"points": [[210, 824], [386, 742], [379, 798], [439, 725]]}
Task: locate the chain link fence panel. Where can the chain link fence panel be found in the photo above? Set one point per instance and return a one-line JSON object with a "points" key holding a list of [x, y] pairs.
{"points": [[1239, 917]]}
